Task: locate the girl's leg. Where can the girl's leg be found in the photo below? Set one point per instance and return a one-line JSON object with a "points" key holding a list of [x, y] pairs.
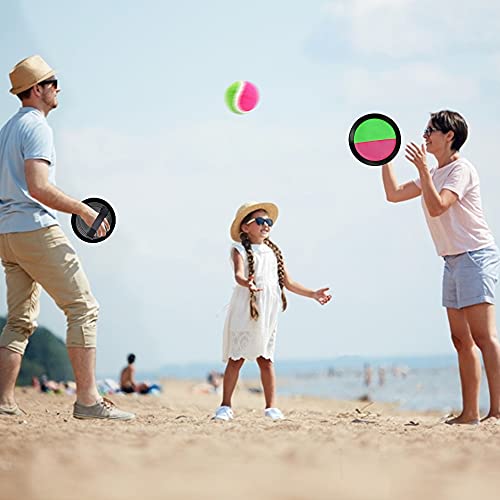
{"points": [[468, 363], [268, 379], [481, 318], [230, 379]]}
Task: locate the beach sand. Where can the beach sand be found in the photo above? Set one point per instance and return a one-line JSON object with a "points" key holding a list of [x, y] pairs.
{"points": [[324, 450]]}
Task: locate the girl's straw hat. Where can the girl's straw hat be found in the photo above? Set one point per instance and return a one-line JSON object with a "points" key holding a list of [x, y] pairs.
{"points": [[248, 208], [28, 73]]}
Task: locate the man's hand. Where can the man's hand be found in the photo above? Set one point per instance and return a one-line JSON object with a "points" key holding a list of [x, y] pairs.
{"points": [[89, 216]]}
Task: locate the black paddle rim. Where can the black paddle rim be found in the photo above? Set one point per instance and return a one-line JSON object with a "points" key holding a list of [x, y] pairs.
{"points": [[362, 159]]}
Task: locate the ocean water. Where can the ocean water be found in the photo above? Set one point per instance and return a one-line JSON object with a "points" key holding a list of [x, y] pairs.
{"points": [[414, 383]]}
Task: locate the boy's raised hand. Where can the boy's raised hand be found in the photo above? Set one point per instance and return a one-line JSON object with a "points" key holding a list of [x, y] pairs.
{"points": [[321, 296]]}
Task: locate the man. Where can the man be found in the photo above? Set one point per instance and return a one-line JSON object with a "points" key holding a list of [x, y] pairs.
{"points": [[33, 249]]}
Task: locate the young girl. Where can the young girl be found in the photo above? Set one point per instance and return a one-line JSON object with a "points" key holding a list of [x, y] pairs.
{"points": [[250, 328]]}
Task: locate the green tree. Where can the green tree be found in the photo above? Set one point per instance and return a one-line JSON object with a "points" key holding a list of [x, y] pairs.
{"points": [[45, 354]]}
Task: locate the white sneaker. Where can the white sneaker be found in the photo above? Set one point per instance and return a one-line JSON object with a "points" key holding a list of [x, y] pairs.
{"points": [[274, 414], [223, 413]]}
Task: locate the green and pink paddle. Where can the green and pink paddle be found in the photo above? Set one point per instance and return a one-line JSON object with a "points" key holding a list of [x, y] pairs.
{"points": [[374, 139]]}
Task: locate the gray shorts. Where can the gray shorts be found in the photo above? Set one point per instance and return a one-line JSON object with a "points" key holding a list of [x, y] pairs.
{"points": [[470, 278]]}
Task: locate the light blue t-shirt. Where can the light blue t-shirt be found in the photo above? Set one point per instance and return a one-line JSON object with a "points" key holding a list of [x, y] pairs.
{"points": [[26, 136]]}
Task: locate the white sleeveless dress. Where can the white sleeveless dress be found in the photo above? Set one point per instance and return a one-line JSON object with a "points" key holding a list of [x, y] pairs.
{"points": [[245, 337]]}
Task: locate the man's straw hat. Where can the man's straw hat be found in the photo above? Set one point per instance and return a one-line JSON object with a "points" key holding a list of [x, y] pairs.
{"points": [[28, 73], [248, 208]]}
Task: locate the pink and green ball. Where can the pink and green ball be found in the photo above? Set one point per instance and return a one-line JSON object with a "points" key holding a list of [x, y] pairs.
{"points": [[242, 97]]}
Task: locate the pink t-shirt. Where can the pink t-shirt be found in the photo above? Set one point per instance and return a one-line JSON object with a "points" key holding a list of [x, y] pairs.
{"points": [[462, 228]]}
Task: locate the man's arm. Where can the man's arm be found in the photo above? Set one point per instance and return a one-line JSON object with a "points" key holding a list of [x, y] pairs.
{"points": [[37, 180]]}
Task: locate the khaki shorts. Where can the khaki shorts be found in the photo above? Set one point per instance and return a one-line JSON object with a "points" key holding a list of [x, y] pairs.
{"points": [[45, 257]]}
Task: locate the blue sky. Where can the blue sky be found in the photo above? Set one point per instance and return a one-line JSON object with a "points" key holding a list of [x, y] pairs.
{"points": [[142, 123]]}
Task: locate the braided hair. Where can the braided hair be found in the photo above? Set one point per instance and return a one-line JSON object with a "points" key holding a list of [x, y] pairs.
{"points": [[245, 241], [281, 269]]}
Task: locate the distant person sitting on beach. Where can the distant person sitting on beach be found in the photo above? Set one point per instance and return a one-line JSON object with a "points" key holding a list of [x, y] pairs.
{"points": [[44, 384], [127, 379], [212, 385], [47, 385], [215, 378], [451, 199]]}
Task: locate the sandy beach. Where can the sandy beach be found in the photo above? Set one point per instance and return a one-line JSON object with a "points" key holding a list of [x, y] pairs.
{"points": [[324, 450]]}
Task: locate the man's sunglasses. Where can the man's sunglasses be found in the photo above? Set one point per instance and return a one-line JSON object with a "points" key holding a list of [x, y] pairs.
{"points": [[260, 221], [52, 82]]}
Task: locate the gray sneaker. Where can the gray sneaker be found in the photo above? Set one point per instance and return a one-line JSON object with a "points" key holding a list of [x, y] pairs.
{"points": [[103, 409]]}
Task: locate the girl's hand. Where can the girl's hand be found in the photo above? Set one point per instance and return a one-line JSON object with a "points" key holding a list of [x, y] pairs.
{"points": [[321, 296], [251, 285], [417, 155]]}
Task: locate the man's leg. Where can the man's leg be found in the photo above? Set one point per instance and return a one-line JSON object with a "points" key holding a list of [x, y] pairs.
{"points": [[60, 273], [23, 306], [10, 364], [83, 361]]}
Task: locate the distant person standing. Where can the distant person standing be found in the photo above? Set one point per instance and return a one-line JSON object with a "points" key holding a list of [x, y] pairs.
{"points": [[451, 200], [367, 374], [381, 376], [33, 249]]}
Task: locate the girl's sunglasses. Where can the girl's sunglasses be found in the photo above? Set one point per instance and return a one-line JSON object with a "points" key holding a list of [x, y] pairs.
{"points": [[260, 221]]}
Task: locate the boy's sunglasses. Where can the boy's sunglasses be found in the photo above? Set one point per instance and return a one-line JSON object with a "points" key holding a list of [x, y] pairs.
{"points": [[260, 221], [52, 82]]}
